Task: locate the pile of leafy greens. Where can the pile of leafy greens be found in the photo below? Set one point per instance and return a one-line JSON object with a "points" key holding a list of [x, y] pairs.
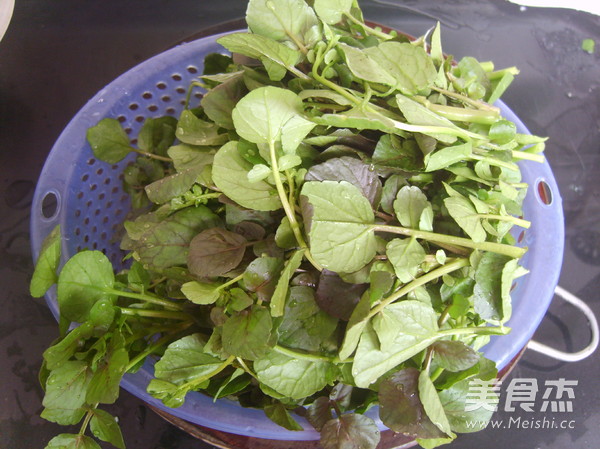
{"points": [[328, 230]]}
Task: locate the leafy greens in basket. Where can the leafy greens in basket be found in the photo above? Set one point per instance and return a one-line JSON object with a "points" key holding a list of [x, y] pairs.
{"points": [[326, 231]]}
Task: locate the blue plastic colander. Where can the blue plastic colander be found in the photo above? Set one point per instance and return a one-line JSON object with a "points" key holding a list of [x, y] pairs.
{"points": [[86, 198]]}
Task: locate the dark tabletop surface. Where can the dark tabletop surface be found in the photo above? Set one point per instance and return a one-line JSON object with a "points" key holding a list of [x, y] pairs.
{"points": [[56, 55]]}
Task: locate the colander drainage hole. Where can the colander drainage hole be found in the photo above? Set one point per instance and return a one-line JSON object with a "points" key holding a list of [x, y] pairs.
{"points": [[544, 192], [50, 205]]}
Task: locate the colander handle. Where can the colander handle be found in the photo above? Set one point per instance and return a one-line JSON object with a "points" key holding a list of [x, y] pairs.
{"points": [[571, 356]]}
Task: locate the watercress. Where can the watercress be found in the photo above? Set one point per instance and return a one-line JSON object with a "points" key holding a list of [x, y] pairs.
{"points": [[326, 230]]}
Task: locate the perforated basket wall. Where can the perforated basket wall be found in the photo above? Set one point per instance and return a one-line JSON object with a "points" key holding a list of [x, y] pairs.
{"points": [[85, 197]]}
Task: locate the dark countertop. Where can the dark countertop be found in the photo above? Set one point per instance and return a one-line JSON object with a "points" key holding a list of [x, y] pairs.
{"points": [[56, 55]]}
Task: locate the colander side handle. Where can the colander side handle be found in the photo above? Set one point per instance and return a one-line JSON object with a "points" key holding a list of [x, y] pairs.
{"points": [[571, 356]]}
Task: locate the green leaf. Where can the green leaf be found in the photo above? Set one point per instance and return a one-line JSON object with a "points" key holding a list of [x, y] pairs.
{"points": [[292, 22], [262, 48], [109, 141], [230, 174], [447, 156], [259, 172], [341, 232], [351, 170], [408, 65], [104, 427], [215, 251], [260, 116], [292, 377], [279, 415], [511, 271], [437, 55], [60, 352], [417, 114], [489, 296], [454, 402], [104, 384], [188, 156], [406, 255], [588, 45], [63, 416], [454, 356], [293, 133], [216, 63], [289, 161], [364, 67], [389, 192], [281, 289], [432, 404], [416, 329], [86, 278], [66, 388], [284, 236], [236, 382], [261, 276], [167, 392], [502, 132], [157, 135], [44, 275], [400, 407], [410, 205], [332, 11], [194, 131], [165, 244], [304, 325], [219, 102], [185, 360], [169, 187], [247, 334], [72, 441], [356, 325], [201, 292], [392, 151], [350, 431], [465, 215], [431, 443]]}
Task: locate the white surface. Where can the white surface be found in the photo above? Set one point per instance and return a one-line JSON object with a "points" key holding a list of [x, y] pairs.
{"points": [[6, 10], [591, 6]]}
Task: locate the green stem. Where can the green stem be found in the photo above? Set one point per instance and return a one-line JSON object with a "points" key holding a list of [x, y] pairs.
{"points": [[487, 330], [426, 129], [500, 73], [340, 90], [368, 29], [152, 156], [245, 367], [422, 280], [517, 221], [437, 373], [463, 98], [499, 248], [86, 421], [528, 156], [168, 314], [146, 298], [485, 117], [496, 162], [289, 211], [487, 66], [232, 281]]}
